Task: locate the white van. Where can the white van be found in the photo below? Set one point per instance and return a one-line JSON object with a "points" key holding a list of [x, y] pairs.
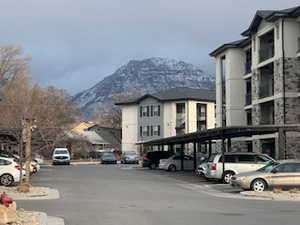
{"points": [[234, 163], [61, 156]]}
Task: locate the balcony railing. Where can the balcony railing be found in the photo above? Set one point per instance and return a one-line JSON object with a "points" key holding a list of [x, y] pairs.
{"points": [[266, 52], [248, 65], [266, 91], [298, 45], [248, 99]]}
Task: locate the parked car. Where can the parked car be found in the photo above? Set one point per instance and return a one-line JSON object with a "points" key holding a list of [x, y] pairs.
{"points": [[61, 156], [7, 154], [235, 163], [202, 168], [95, 154], [9, 171], [151, 159], [173, 163], [275, 174], [108, 158], [129, 157], [34, 167]]}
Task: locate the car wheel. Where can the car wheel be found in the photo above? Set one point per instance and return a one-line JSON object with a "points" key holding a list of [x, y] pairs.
{"points": [[227, 177], [172, 168], [152, 166], [259, 185], [6, 180]]}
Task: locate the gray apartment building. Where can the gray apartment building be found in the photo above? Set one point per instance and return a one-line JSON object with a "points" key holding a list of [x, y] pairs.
{"points": [[258, 81]]}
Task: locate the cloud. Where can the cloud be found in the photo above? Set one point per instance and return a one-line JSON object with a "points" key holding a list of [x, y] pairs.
{"points": [[74, 44]]}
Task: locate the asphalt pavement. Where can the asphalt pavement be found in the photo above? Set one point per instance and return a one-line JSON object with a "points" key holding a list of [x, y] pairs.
{"points": [[123, 195]]}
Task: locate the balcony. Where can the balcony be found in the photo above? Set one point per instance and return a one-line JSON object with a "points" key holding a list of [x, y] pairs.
{"points": [[266, 91], [266, 52], [248, 65], [248, 99]]}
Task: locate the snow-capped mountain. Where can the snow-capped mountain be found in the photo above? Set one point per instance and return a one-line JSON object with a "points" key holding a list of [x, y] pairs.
{"points": [[143, 76]]}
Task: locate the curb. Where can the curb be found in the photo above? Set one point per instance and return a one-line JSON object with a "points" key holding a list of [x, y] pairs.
{"points": [[51, 220], [52, 194], [43, 218]]}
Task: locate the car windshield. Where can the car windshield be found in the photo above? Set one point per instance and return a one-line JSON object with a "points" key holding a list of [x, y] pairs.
{"points": [[61, 152], [108, 156], [268, 167], [129, 153]]}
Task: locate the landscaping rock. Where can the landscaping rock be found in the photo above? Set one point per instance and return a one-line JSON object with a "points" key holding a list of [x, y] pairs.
{"points": [[23, 188], [7, 215]]}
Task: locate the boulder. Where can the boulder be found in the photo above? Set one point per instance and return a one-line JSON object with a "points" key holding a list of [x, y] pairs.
{"points": [[7, 215]]}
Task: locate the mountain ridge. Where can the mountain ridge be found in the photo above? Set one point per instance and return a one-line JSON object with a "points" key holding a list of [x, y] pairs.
{"points": [[145, 76]]}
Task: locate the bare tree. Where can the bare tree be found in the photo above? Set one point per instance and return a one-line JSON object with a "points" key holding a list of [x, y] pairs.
{"points": [[113, 118], [12, 63]]}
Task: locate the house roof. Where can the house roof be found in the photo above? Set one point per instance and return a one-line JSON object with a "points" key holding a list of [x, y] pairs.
{"points": [[83, 126], [93, 137], [176, 94], [110, 135], [235, 44], [270, 16]]}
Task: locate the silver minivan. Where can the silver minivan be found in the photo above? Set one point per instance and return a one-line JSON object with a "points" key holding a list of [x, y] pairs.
{"points": [[235, 163]]}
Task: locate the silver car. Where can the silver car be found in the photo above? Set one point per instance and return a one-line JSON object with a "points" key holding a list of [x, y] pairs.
{"points": [[130, 157], [274, 174]]}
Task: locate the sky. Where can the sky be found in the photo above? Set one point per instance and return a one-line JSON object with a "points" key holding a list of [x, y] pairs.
{"points": [[76, 43]]}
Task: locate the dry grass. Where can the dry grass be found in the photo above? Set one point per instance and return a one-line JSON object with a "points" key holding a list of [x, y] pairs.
{"points": [[277, 190]]}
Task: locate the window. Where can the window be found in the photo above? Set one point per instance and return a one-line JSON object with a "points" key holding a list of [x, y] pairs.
{"points": [[287, 168], [262, 158], [151, 110], [201, 117], [156, 110], [246, 158], [141, 111], [151, 131], [145, 130], [4, 162], [141, 131], [144, 111], [228, 159], [156, 130], [180, 108]]}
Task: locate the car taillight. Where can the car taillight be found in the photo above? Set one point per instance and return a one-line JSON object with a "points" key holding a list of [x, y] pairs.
{"points": [[214, 166], [18, 167], [145, 158]]}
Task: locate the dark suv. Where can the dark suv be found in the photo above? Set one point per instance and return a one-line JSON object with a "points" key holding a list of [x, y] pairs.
{"points": [[151, 159]]}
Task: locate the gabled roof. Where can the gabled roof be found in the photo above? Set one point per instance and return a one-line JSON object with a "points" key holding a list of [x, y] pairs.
{"points": [[176, 94], [270, 16], [235, 44], [111, 135]]}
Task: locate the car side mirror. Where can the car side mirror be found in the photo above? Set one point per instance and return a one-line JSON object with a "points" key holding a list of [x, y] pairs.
{"points": [[274, 171]]}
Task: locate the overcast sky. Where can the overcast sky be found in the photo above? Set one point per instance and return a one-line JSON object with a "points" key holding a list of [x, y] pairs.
{"points": [[75, 43]]}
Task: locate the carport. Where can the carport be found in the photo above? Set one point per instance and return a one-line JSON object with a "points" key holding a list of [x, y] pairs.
{"points": [[222, 134]]}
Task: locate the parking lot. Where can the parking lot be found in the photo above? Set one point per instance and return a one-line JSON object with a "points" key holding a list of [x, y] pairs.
{"points": [[123, 194]]}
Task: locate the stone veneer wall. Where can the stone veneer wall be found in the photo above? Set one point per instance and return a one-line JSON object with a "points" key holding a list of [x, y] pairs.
{"points": [[293, 145]]}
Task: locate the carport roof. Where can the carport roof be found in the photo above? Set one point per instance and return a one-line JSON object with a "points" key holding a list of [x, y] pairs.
{"points": [[220, 133]]}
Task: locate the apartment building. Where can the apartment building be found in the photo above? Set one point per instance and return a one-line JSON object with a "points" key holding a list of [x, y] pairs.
{"points": [[258, 80], [168, 113]]}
